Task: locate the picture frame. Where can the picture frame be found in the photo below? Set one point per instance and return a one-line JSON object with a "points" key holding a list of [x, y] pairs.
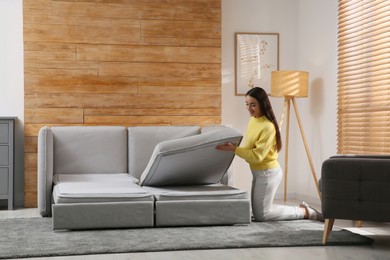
{"points": [[256, 55]]}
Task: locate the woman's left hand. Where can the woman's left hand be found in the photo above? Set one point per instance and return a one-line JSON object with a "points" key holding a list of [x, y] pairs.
{"points": [[226, 147]]}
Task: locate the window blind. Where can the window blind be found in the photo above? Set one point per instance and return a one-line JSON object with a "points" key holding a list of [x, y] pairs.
{"points": [[364, 77]]}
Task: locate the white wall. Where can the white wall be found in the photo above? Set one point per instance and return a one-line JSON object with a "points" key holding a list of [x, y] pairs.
{"points": [[317, 52], [308, 41], [11, 84]]}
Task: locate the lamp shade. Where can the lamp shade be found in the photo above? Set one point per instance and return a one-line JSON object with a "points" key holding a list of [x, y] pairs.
{"points": [[289, 83]]}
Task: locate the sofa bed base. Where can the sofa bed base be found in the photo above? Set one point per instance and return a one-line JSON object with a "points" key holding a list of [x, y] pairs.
{"points": [[103, 215], [202, 212]]}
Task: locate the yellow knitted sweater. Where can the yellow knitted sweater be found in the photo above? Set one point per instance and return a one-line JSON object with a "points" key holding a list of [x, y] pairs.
{"points": [[259, 149]]}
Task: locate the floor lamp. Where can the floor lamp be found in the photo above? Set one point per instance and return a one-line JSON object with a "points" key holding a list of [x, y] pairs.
{"points": [[291, 84]]}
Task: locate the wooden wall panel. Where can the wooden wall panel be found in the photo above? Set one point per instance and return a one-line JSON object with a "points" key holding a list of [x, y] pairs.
{"points": [[88, 52], [118, 62], [54, 115], [38, 83], [161, 70]]}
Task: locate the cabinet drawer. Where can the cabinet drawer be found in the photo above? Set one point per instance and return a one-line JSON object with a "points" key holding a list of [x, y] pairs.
{"points": [[4, 155], [3, 181], [4, 133]]}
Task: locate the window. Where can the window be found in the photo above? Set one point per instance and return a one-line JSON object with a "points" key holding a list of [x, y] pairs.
{"points": [[364, 77]]}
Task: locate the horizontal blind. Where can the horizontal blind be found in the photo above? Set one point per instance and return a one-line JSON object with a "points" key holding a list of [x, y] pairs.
{"points": [[364, 77]]}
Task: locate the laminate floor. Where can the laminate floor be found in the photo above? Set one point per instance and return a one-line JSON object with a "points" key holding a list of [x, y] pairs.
{"points": [[378, 251]]}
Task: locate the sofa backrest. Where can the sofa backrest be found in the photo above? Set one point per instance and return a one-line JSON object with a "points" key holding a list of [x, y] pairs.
{"points": [[191, 160], [89, 149], [143, 139]]}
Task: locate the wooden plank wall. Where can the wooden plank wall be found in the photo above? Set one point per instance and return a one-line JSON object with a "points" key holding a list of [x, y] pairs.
{"points": [[118, 62]]}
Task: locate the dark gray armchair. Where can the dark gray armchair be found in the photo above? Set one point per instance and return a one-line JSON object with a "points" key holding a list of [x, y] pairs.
{"points": [[355, 187]]}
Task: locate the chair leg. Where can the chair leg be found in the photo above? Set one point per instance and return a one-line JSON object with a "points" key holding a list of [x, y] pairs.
{"points": [[327, 228]]}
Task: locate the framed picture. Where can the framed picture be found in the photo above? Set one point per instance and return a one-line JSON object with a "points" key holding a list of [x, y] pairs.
{"points": [[257, 54]]}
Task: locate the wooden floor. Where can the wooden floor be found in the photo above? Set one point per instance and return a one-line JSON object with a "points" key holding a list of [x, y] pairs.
{"points": [[380, 232]]}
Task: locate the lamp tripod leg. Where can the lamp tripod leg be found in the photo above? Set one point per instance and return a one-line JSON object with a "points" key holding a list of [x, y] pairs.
{"points": [[286, 105], [283, 112], [306, 147]]}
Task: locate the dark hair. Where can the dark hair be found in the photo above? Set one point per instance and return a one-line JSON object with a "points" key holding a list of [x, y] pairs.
{"points": [[261, 96]]}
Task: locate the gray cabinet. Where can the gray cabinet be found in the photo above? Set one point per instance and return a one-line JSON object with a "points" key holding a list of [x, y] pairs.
{"points": [[7, 142]]}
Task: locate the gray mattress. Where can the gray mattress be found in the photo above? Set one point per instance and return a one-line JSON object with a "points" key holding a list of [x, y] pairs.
{"points": [[198, 192], [93, 188]]}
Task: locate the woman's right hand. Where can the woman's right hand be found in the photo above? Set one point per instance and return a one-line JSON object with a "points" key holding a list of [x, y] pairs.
{"points": [[226, 147]]}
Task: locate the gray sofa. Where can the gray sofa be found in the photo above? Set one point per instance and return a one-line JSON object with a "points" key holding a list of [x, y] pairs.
{"points": [[117, 177], [355, 187]]}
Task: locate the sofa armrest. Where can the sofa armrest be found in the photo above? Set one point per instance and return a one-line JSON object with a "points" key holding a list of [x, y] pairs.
{"points": [[45, 170]]}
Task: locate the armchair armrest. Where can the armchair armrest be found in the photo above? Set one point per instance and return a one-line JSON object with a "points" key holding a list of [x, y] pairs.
{"points": [[45, 170], [361, 156]]}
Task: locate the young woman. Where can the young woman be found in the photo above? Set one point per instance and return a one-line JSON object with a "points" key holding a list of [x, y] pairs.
{"points": [[262, 144]]}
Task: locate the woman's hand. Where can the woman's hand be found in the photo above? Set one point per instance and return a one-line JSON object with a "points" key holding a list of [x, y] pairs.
{"points": [[226, 147]]}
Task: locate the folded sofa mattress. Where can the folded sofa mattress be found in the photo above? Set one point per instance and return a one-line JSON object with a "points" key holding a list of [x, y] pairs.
{"points": [[190, 160]]}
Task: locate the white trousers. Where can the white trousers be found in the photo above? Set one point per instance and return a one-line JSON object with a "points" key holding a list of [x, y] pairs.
{"points": [[264, 186]]}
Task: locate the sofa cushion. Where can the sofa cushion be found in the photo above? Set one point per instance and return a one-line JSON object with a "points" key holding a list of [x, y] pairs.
{"points": [[90, 149], [83, 188], [143, 139], [191, 160]]}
